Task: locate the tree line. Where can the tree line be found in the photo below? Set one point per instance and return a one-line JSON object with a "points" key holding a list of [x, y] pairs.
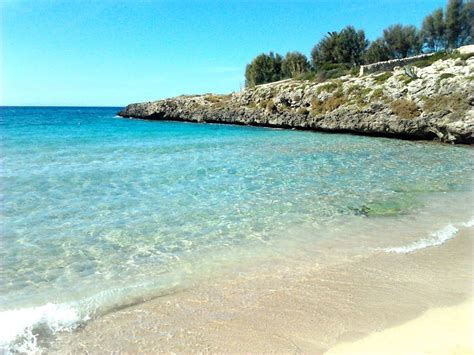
{"points": [[340, 51]]}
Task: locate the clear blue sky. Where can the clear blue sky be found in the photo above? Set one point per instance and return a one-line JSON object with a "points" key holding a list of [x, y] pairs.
{"points": [[110, 53]]}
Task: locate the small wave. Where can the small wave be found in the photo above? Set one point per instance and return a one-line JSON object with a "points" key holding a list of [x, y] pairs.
{"points": [[469, 223], [26, 330], [436, 238], [19, 328]]}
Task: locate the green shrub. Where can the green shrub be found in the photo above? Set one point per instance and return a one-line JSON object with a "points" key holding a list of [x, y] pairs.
{"points": [[333, 71], [404, 108], [306, 76]]}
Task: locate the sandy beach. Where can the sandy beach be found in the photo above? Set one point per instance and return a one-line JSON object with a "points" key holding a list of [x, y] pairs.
{"points": [[237, 177], [446, 330], [375, 301]]}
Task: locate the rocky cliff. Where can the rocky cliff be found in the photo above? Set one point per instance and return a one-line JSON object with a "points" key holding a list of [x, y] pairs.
{"points": [[434, 102]]}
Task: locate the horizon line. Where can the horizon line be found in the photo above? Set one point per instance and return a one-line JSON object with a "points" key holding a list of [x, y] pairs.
{"points": [[63, 106]]}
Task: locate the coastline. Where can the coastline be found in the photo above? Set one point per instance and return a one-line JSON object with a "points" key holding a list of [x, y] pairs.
{"points": [[435, 105], [446, 330], [301, 308]]}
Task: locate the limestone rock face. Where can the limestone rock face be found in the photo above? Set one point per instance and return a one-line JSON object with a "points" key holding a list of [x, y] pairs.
{"points": [[436, 105]]}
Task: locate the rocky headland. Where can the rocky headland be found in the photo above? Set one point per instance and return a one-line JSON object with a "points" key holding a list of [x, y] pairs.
{"points": [[428, 100]]}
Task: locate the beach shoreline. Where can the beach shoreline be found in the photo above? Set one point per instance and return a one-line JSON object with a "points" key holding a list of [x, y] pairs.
{"points": [[445, 330], [305, 309]]}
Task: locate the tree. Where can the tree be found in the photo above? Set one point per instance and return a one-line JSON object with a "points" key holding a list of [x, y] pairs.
{"points": [[264, 68], [351, 46], [454, 23], [294, 63], [347, 46], [433, 31], [402, 41], [467, 15], [377, 52], [324, 51], [439, 30]]}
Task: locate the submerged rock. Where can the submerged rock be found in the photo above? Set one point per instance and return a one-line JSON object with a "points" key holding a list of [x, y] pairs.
{"points": [[436, 105]]}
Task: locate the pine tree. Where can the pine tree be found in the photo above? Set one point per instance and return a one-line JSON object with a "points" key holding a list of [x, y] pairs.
{"points": [[454, 23]]}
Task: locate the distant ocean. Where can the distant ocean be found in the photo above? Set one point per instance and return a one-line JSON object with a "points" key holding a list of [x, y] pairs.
{"points": [[99, 212]]}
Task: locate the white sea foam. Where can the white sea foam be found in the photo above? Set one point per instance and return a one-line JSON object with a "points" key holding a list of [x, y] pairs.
{"points": [[436, 238], [469, 223], [19, 327]]}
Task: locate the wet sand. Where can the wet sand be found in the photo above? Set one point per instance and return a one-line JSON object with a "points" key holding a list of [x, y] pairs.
{"points": [[289, 307]]}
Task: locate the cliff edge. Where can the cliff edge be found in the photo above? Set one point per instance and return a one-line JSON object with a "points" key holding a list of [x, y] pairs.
{"points": [[434, 102]]}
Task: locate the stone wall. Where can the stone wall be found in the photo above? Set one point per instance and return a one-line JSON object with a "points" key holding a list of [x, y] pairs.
{"points": [[390, 64]]}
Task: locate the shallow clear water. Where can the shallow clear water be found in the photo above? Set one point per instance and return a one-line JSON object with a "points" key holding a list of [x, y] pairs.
{"points": [[98, 211]]}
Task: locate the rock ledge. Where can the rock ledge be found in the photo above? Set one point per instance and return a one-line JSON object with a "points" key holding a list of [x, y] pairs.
{"points": [[436, 105]]}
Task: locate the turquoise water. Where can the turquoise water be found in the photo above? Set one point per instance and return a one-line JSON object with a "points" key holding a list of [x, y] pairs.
{"points": [[99, 211]]}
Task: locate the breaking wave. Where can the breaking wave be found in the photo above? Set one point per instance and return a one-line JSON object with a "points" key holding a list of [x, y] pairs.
{"points": [[436, 238], [20, 328]]}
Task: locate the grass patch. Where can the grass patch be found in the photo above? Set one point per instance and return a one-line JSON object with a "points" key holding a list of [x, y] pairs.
{"points": [[215, 98], [270, 106], [354, 89], [306, 76], [333, 103], [377, 94], [453, 103], [405, 79], [426, 62], [404, 108], [316, 107], [380, 79], [359, 94], [302, 111], [445, 76], [329, 87], [355, 71], [319, 107]]}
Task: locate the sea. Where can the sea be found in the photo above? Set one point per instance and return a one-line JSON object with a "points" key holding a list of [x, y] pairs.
{"points": [[100, 212]]}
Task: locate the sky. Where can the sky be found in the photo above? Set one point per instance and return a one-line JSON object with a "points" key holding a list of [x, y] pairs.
{"points": [[114, 52]]}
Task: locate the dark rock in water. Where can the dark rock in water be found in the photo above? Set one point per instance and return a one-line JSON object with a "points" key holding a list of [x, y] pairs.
{"points": [[431, 107]]}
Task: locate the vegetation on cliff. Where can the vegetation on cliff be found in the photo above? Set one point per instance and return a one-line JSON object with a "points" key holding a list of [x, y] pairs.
{"points": [[340, 52]]}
